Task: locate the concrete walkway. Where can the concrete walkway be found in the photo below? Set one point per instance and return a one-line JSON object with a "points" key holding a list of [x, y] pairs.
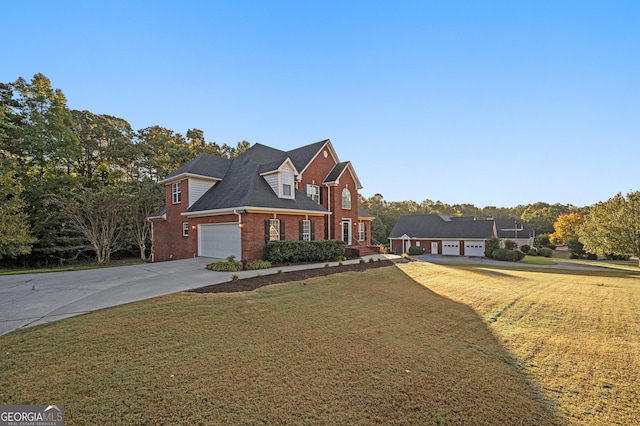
{"points": [[31, 299]]}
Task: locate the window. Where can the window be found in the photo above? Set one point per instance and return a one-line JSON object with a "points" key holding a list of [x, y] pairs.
{"points": [[176, 192], [286, 184], [305, 230], [313, 192], [185, 229], [362, 231], [274, 229], [346, 199]]}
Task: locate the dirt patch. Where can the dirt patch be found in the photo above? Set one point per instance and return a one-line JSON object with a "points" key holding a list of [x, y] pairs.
{"points": [[249, 284]]}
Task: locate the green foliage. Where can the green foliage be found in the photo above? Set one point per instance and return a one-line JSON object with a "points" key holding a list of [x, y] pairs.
{"points": [[525, 249], [225, 266], [541, 240], [15, 238], [612, 227], [285, 251], [416, 250], [257, 264], [492, 245], [545, 251], [510, 245], [507, 255]]}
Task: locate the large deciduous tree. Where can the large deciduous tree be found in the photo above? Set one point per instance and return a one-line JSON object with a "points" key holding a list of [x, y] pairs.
{"points": [[97, 215], [566, 228], [612, 227], [46, 140]]}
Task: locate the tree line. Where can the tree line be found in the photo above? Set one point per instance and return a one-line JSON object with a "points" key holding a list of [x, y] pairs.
{"points": [[75, 184]]}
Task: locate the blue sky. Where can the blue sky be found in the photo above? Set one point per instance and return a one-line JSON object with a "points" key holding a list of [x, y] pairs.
{"points": [[492, 103]]}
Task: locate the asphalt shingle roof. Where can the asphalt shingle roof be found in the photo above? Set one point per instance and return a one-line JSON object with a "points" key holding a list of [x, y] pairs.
{"points": [[438, 226], [242, 185], [208, 165]]}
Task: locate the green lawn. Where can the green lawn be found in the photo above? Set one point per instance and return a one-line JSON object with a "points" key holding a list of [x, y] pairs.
{"points": [[410, 344]]}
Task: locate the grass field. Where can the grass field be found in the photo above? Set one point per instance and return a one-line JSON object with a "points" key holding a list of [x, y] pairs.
{"points": [[413, 344]]}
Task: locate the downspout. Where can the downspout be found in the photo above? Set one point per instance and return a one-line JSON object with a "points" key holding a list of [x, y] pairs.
{"points": [[240, 226], [330, 218], [152, 251]]}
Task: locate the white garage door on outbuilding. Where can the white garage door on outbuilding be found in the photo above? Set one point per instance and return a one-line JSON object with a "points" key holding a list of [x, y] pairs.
{"points": [[451, 248], [474, 248], [219, 240]]}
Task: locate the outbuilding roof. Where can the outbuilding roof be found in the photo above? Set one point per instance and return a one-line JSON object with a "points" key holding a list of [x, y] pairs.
{"points": [[442, 227]]}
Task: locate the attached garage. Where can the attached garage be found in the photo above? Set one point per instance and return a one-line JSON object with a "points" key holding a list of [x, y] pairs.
{"points": [[474, 248], [219, 240], [451, 248]]}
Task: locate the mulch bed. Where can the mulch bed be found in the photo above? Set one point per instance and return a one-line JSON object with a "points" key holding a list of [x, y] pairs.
{"points": [[248, 284]]}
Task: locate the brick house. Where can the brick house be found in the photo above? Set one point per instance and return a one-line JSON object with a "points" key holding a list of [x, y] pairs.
{"points": [[218, 207], [454, 236]]}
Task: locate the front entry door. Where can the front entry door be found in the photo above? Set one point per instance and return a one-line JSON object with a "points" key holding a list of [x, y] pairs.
{"points": [[346, 231], [434, 248]]}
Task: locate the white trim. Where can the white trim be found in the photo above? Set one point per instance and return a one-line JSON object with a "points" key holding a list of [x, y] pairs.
{"points": [[220, 212], [182, 176]]}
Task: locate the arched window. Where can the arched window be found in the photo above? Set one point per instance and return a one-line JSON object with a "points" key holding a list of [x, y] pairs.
{"points": [[346, 199]]}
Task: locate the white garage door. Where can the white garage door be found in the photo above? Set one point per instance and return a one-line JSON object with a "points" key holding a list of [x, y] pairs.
{"points": [[451, 248], [219, 241], [474, 248]]}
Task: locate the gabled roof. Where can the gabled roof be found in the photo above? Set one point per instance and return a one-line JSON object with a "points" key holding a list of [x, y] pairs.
{"points": [[442, 227], [204, 165], [302, 157], [510, 228], [338, 170], [243, 186], [363, 214]]}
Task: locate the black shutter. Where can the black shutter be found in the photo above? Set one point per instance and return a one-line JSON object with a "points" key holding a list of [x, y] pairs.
{"points": [[300, 229], [282, 229], [320, 194], [266, 230], [312, 224]]}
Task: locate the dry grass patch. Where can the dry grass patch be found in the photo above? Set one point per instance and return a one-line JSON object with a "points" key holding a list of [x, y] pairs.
{"points": [[352, 348], [577, 334]]}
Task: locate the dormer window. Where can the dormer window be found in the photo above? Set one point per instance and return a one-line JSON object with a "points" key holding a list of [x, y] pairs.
{"points": [[286, 184], [176, 192]]}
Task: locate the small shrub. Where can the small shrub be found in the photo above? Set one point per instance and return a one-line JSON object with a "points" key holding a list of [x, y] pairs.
{"points": [[371, 260], [235, 277], [416, 250], [257, 264], [525, 249], [405, 256], [361, 260], [545, 251], [507, 255], [592, 256], [510, 245], [491, 246], [227, 266]]}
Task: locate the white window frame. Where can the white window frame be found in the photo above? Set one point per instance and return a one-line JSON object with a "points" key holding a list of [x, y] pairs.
{"points": [[185, 229], [287, 184], [362, 231], [176, 192], [274, 229], [346, 199], [313, 192], [306, 230]]}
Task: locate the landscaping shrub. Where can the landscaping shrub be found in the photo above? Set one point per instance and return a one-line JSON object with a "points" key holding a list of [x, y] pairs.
{"points": [[510, 245], [303, 251], [545, 251], [416, 250], [492, 245], [257, 264], [508, 255], [525, 249], [226, 266]]}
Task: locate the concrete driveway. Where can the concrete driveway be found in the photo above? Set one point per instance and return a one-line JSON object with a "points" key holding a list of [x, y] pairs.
{"points": [[32, 299]]}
